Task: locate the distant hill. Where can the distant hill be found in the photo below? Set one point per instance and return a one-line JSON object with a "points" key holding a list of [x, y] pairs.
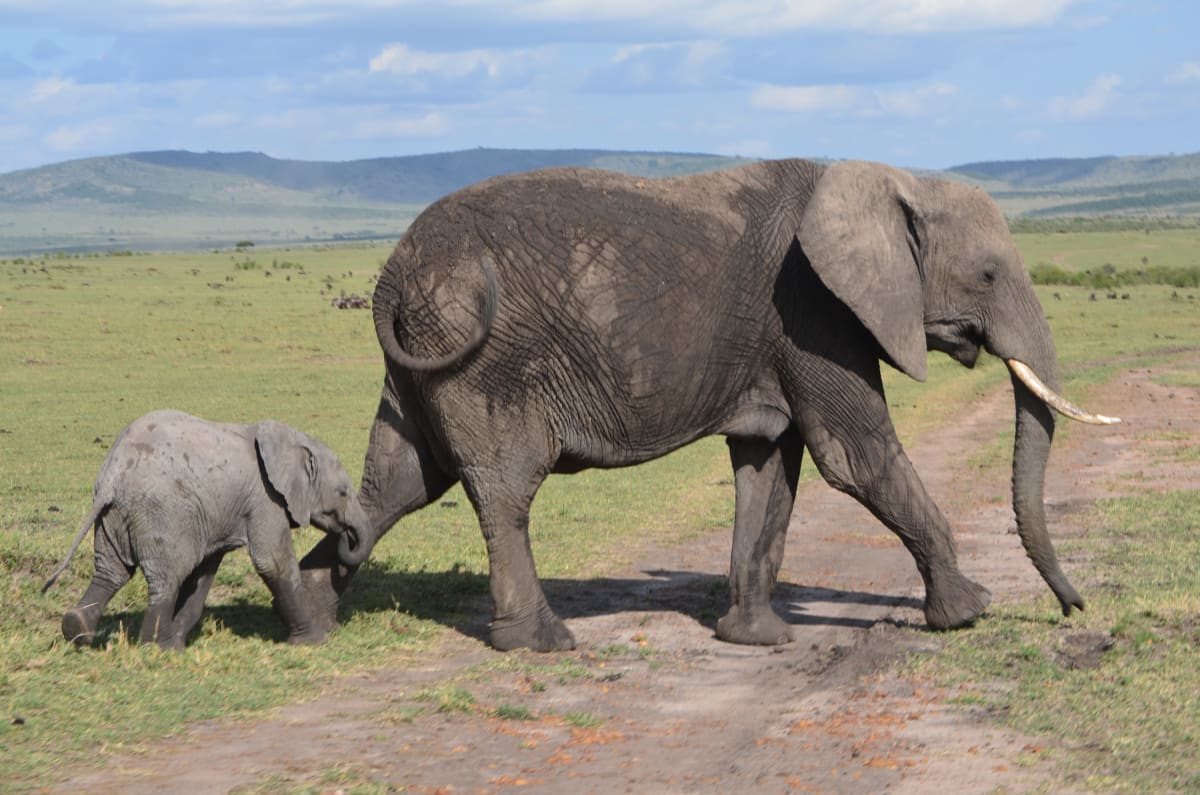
{"points": [[420, 179], [179, 199], [1152, 186], [1086, 171]]}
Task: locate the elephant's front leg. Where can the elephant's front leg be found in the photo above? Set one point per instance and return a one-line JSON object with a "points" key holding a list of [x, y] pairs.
{"points": [[274, 559], [765, 475], [849, 432], [192, 594]]}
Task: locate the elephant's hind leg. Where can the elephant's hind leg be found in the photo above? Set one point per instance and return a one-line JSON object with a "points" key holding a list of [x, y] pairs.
{"points": [[158, 625], [502, 493], [766, 474], [79, 623]]}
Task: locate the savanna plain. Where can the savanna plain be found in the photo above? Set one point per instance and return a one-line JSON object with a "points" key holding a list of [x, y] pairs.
{"points": [[1103, 701]]}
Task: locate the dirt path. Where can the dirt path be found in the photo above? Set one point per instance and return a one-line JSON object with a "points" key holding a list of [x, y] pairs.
{"points": [[676, 711]]}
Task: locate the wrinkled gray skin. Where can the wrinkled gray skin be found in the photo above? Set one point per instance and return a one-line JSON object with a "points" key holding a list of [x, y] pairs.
{"points": [[566, 318], [176, 492]]}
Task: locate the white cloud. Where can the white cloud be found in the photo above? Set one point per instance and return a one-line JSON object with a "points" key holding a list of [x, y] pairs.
{"points": [[851, 100], [1091, 103], [400, 59], [218, 119], [725, 17], [771, 17], [67, 139], [664, 67], [915, 102], [806, 99], [1185, 73], [51, 88], [430, 124]]}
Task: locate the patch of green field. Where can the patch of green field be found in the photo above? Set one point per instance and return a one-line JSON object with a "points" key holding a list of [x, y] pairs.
{"points": [[1116, 687], [1128, 250], [1181, 378]]}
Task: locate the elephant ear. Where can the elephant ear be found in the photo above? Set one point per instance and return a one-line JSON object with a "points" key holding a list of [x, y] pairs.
{"points": [[291, 466], [859, 232]]}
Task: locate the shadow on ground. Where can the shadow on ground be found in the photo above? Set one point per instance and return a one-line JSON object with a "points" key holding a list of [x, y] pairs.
{"points": [[458, 598]]}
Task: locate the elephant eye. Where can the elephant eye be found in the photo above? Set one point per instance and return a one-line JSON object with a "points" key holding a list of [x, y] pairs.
{"points": [[989, 275]]}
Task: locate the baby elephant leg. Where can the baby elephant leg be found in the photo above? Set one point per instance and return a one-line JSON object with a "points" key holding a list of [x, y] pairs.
{"points": [[275, 561], [191, 598], [79, 623], [158, 626]]}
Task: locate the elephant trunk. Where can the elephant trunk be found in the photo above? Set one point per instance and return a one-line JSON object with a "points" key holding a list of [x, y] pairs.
{"points": [[357, 538], [1031, 449]]}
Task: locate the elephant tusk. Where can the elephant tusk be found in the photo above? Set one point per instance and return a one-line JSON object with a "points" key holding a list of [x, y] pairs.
{"points": [[1052, 398]]}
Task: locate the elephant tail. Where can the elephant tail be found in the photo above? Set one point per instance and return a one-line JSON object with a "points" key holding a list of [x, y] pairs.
{"points": [[385, 308], [99, 506]]}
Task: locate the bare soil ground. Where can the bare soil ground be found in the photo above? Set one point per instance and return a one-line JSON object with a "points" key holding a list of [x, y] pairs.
{"points": [[678, 711]]}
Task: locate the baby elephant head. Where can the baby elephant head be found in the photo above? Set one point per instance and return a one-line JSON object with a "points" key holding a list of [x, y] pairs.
{"points": [[315, 487]]}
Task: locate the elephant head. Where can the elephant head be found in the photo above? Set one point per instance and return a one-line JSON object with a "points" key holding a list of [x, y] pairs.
{"points": [[314, 486], [928, 264]]}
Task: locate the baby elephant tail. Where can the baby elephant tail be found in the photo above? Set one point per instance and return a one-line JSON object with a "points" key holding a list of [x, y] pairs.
{"points": [[98, 507]]}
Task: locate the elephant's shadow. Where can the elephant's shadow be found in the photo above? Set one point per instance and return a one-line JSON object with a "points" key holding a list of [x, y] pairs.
{"points": [[458, 598], [242, 618]]}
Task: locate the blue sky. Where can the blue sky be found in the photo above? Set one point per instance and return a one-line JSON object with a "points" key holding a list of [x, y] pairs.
{"points": [[925, 83]]}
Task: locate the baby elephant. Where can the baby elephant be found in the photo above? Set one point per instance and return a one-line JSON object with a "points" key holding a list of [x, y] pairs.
{"points": [[176, 492]]}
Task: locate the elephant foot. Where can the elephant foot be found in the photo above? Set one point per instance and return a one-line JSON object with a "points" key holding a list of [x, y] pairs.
{"points": [[311, 637], [957, 602], [76, 627], [172, 643], [544, 631], [320, 585], [754, 627]]}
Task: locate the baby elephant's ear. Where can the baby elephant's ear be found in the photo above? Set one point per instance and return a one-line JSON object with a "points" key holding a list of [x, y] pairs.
{"points": [[287, 458]]}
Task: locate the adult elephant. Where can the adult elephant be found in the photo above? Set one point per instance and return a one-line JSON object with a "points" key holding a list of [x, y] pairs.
{"points": [[569, 318]]}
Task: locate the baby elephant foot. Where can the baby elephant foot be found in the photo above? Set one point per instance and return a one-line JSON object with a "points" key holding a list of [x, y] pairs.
{"points": [[77, 628], [544, 631], [761, 627], [956, 602]]}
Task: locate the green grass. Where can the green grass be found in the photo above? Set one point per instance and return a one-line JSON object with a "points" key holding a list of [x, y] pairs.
{"points": [[87, 344], [583, 720], [1129, 719], [1128, 250], [513, 712], [448, 698]]}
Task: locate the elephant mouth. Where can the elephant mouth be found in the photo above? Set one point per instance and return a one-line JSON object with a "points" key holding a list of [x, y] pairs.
{"points": [[960, 342], [1052, 399]]}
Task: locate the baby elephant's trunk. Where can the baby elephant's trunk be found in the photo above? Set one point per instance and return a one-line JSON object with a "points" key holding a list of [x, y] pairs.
{"points": [[357, 537]]}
